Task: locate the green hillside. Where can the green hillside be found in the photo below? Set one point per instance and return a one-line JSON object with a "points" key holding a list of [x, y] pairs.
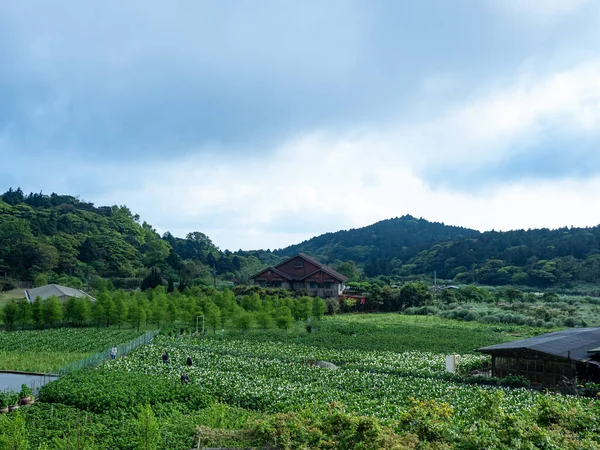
{"points": [[407, 247], [62, 239]]}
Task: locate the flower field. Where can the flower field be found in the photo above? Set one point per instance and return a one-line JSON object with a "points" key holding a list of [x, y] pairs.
{"points": [[274, 378], [260, 388]]}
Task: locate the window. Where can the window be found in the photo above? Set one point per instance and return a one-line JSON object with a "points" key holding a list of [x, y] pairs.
{"points": [[314, 285], [299, 263], [327, 285]]}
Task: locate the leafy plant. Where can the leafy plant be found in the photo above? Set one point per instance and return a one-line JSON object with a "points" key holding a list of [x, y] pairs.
{"points": [[26, 391], [4, 399]]}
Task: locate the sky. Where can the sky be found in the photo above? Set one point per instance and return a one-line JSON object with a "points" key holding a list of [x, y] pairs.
{"points": [[265, 123]]}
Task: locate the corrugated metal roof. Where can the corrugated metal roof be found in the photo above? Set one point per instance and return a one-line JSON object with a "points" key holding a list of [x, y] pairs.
{"points": [[574, 343], [54, 289]]}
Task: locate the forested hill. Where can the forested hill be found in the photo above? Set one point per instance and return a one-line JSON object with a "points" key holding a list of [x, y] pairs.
{"points": [[61, 239], [408, 247], [380, 247]]}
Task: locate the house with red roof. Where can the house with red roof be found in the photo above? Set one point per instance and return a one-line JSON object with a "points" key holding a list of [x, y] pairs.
{"points": [[303, 273]]}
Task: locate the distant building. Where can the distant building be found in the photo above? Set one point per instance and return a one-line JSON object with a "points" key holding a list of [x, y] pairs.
{"points": [[550, 358], [303, 273], [62, 292]]}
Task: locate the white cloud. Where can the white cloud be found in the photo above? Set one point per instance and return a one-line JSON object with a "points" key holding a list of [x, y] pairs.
{"points": [[322, 182]]}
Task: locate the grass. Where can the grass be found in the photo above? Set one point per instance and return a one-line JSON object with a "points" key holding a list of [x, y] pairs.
{"points": [[42, 362], [7, 296], [48, 350]]}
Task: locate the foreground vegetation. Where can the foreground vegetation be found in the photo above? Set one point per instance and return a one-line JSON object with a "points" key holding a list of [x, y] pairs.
{"points": [[255, 387]]}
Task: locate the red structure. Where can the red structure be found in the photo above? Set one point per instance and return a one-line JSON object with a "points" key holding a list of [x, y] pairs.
{"points": [[302, 272]]}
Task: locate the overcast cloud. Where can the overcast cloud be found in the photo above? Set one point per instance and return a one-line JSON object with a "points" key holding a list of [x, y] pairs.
{"points": [[265, 123]]}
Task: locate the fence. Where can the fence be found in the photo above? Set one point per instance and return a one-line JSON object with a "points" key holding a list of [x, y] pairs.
{"points": [[98, 358]]}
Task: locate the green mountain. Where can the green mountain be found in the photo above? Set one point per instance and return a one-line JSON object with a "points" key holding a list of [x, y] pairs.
{"points": [[406, 247], [380, 247], [62, 239]]}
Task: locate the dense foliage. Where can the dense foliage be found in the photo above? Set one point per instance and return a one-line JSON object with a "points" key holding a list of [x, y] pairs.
{"points": [[59, 238], [62, 239], [406, 247]]}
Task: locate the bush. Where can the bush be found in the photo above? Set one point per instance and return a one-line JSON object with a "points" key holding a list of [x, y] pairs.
{"points": [[7, 285], [332, 429], [422, 311], [515, 381], [483, 380], [333, 306]]}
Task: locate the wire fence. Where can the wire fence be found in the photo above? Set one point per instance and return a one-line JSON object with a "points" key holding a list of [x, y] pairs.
{"points": [[99, 358]]}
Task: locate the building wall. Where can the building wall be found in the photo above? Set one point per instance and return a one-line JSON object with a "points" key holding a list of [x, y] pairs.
{"points": [[268, 278], [536, 368]]}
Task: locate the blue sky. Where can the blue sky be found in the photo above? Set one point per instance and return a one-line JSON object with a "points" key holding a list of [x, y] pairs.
{"points": [[265, 123]]}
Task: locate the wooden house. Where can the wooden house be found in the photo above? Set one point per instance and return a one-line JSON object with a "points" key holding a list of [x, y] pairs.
{"points": [[303, 273]]}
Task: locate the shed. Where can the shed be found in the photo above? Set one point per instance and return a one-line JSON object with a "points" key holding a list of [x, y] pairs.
{"points": [[549, 358], [62, 292]]}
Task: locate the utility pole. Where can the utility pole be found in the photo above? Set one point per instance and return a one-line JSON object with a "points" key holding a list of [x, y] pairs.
{"points": [[434, 278]]}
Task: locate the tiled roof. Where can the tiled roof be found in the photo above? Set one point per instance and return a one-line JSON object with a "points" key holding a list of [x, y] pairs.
{"points": [[277, 271], [320, 265], [328, 270]]}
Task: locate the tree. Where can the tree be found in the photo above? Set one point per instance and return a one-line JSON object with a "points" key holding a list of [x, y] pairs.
{"points": [[10, 314], [152, 280], [303, 308], [52, 311], [147, 429], [158, 308], [242, 319], [137, 315], [284, 318], [80, 313], [23, 312], [120, 310], [318, 307], [414, 294], [212, 314], [348, 269], [37, 311], [157, 252], [264, 320]]}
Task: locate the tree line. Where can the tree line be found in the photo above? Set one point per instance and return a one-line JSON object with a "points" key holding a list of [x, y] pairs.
{"points": [[156, 307]]}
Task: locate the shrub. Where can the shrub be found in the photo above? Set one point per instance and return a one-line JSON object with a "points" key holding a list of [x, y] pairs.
{"points": [[515, 381], [483, 380], [333, 306]]}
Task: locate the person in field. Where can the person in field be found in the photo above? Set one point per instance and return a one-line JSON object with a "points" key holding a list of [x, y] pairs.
{"points": [[184, 378], [165, 357], [113, 352], [189, 361]]}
